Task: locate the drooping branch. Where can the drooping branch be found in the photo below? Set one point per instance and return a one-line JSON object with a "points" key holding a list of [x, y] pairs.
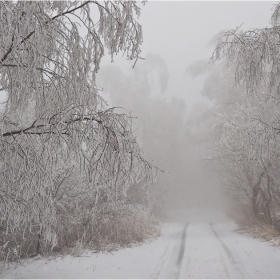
{"points": [[254, 54], [61, 150], [33, 32]]}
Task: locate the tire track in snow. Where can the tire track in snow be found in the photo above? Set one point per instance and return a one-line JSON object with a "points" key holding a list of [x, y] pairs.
{"points": [[182, 251], [167, 267], [165, 257], [227, 251]]}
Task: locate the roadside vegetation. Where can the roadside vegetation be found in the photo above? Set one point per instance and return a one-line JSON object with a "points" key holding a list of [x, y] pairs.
{"points": [[72, 172], [243, 84]]}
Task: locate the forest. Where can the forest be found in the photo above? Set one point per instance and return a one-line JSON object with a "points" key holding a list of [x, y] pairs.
{"points": [[96, 156]]}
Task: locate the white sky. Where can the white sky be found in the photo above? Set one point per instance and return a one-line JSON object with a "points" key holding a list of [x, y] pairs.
{"points": [[180, 31]]}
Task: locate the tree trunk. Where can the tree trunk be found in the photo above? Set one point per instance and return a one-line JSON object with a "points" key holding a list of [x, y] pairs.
{"points": [[38, 247]]}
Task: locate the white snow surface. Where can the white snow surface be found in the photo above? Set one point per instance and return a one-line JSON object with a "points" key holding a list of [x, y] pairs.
{"points": [[200, 244]]}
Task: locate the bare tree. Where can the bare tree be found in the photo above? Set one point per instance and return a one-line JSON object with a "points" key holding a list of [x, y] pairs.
{"points": [[243, 83], [61, 150], [248, 149], [249, 144], [255, 54]]}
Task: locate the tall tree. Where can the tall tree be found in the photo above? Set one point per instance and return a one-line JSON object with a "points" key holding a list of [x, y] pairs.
{"points": [[255, 55], [249, 143], [62, 151]]}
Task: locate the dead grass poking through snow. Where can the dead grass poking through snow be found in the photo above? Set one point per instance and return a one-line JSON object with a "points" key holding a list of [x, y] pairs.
{"points": [[112, 227], [256, 228]]}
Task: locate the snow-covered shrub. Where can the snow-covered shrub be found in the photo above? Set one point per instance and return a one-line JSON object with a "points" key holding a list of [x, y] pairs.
{"points": [[113, 225]]}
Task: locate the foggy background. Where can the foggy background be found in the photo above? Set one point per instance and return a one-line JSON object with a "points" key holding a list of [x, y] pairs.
{"points": [[173, 123], [180, 32]]}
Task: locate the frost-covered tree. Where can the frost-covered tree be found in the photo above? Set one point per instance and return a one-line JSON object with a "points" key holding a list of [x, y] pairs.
{"points": [[62, 151], [249, 151], [255, 54], [249, 143]]}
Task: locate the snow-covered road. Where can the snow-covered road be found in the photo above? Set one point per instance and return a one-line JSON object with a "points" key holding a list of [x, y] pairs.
{"points": [[212, 248], [203, 245], [204, 254]]}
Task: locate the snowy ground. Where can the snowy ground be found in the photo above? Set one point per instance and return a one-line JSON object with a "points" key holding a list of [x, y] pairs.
{"points": [[203, 244]]}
